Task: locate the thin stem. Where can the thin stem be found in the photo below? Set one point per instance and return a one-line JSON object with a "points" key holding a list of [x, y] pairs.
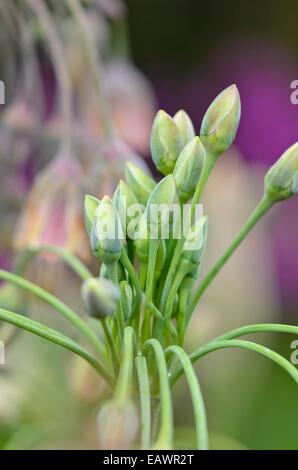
{"points": [[58, 57], [125, 379], [165, 436], [234, 343], [78, 267], [145, 400], [109, 338], [125, 261], [196, 396], [59, 306], [209, 164], [264, 205], [55, 337], [259, 328]]}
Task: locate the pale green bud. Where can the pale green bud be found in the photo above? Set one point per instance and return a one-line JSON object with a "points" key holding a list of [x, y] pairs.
{"points": [[123, 199], [100, 297], [166, 142], [164, 194], [220, 123], [281, 180], [139, 182], [195, 244], [185, 126], [91, 204], [107, 234], [188, 168]]}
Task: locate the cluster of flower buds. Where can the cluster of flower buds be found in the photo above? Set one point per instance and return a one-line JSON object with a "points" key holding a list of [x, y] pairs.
{"points": [[144, 248], [136, 228]]}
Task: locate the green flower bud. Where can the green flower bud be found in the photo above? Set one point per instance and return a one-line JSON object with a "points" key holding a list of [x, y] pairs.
{"points": [[126, 299], [185, 126], [281, 180], [91, 204], [107, 234], [139, 182], [221, 121], [166, 142], [164, 194], [124, 198], [195, 244], [100, 297], [188, 168]]}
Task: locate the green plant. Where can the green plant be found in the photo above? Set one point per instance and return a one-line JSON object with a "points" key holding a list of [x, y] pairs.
{"points": [[143, 299]]}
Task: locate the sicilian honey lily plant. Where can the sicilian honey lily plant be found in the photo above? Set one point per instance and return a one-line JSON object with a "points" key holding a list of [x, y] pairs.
{"points": [[147, 289]]}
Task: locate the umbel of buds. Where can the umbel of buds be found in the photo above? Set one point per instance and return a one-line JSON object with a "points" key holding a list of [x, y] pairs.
{"points": [[166, 142], [281, 180], [100, 297], [220, 123]]}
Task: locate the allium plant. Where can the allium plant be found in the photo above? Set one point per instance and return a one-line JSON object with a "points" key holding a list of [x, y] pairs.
{"points": [[146, 292]]}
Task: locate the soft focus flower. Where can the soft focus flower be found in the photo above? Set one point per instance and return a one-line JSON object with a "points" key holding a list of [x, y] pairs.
{"points": [[117, 425], [131, 101], [53, 210]]}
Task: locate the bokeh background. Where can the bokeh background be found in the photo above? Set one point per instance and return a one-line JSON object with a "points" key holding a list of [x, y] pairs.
{"points": [[168, 54]]}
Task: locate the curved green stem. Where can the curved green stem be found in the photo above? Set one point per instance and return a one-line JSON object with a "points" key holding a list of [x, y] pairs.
{"points": [[78, 267], [125, 379], [234, 343], [55, 337], [59, 306], [165, 436], [145, 400], [258, 328], [264, 205], [196, 396]]}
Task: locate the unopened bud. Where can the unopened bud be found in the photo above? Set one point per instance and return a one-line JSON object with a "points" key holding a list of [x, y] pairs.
{"points": [[91, 204], [139, 182], [123, 199], [195, 244], [281, 180], [188, 168], [166, 142], [185, 126], [220, 123], [107, 234], [100, 297]]}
